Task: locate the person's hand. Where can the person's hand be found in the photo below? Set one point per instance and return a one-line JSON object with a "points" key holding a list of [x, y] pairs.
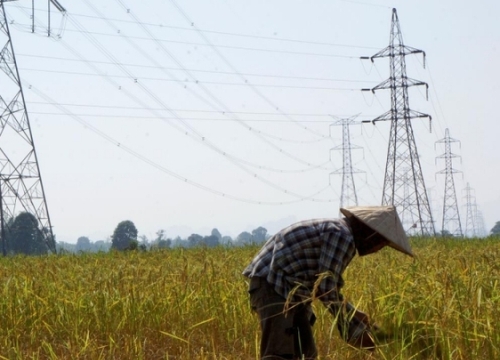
{"points": [[365, 319], [363, 341], [361, 337], [361, 316]]}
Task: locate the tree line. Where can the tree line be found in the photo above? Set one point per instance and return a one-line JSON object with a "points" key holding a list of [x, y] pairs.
{"points": [[125, 237], [23, 235]]}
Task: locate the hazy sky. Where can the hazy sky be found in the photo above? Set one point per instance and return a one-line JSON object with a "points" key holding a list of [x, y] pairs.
{"points": [[187, 116]]}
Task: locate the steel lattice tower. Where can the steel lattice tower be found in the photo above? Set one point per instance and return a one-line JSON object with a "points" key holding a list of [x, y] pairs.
{"points": [[348, 196], [451, 218], [403, 165], [471, 229], [481, 226], [21, 188]]}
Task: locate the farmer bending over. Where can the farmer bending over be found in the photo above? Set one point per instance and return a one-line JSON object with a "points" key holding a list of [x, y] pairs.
{"points": [[306, 261]]}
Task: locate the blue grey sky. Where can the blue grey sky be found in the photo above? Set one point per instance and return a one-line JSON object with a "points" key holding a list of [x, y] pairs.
{"points": [[188, 116]]}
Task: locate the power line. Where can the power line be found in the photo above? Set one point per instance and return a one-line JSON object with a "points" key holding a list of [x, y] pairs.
{"points": [[198, 82], [240, 122], [194, 70], [211, 95], [192, 132], [190, 118], [163, 26], [232, 47], [195, 134], [366, 3], [198, 111], [267, 100], [152, 163]]}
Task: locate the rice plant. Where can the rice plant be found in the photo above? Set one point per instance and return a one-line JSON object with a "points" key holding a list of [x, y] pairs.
{"points": [[192, 304]]}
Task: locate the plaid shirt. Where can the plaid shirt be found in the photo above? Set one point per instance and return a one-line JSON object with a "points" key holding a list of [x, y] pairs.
{"points": [[296, 257]]}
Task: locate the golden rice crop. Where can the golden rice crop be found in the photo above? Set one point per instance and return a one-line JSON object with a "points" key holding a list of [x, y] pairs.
{"points": [[192, 304]]}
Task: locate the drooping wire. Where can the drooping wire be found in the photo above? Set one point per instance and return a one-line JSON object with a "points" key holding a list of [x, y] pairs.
{"points": [[233, 68], [99, 46], [151, 94], [198, 137], [276, 39], [192, 132], [150, 162], [204, 82]]}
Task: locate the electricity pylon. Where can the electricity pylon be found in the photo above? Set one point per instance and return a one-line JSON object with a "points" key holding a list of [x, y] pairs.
{"points": [[451, 224], [348, 196], [21, 188], [481, 227], [471, 213], [402, 155], [56, 4]]}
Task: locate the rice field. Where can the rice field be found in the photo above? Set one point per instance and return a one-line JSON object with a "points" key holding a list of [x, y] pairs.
{"points": [[192, 304]]}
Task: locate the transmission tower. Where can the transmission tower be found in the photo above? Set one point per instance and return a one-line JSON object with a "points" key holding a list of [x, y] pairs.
{"points": [[451, 217], [407, 198], [348, 195], [21, 188], [481, 226], [403, 165], [471, 213]]}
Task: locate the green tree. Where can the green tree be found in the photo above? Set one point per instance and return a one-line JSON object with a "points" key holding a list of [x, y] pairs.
{"points": [[446, 233], [161, 241], [83, 244], [210, 241], [244, 238], [100, 245], [194, 240], [179, 242], [24, 236], [217, 234], [259, 235], [226, 240], [496, 229], [125, 236]]}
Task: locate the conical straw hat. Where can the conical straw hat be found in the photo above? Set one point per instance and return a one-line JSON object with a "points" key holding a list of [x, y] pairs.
{"points": [[385, 221]]}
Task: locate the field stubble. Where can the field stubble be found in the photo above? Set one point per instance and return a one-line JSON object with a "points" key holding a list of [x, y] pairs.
{"points": [[192, 304]]}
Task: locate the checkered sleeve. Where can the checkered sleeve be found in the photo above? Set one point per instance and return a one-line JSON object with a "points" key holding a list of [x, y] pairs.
{"points": [[309, 258], [350, 326], [337, 252]]}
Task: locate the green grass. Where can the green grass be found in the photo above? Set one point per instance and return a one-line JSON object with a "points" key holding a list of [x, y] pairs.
{"points": [[192, 304]]}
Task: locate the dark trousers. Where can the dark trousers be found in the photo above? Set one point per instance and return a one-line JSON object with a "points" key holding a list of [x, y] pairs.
{"points": [[285, 335]]}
